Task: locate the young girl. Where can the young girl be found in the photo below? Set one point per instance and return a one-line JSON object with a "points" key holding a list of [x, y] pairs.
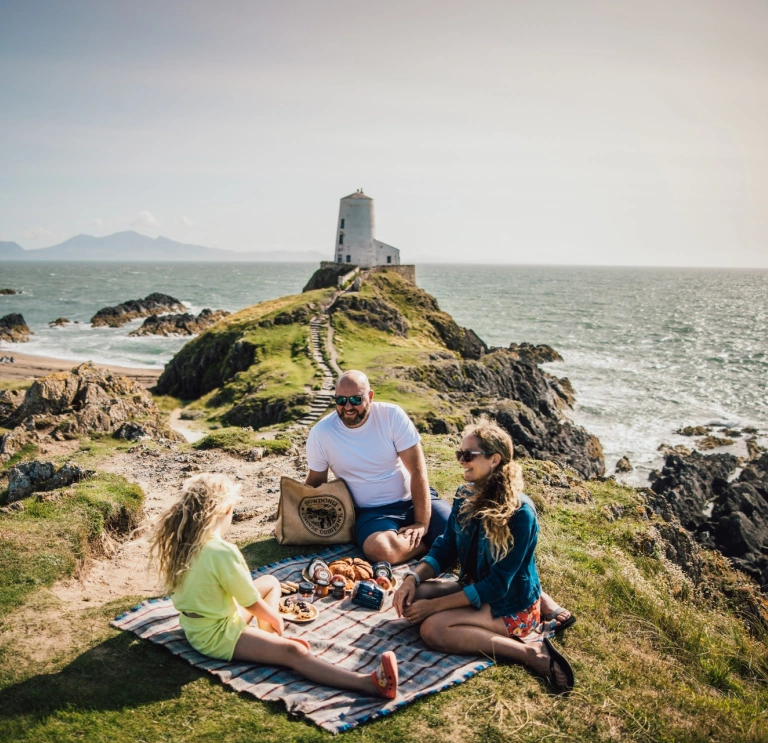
{"points": [[492, 531], [217, 599]]}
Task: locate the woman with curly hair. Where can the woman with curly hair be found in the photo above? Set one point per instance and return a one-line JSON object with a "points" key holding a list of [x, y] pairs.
{"points": [[217, 599], [492, 532]]}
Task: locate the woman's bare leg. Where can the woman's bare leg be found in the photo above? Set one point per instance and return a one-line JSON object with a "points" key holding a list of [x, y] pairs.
{"points": [[467, 631], [261, 647], [548, 605]]}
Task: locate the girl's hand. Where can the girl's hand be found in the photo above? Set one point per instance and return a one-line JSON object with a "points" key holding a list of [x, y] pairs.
{"points": [[418, 611], [403, 597], [278, 624]]}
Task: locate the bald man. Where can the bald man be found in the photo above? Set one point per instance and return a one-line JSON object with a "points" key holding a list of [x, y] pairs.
{"points": [[376, 449]]}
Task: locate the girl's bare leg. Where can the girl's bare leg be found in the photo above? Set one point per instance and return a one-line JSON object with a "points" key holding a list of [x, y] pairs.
{"points": [[269, 588], [467, 631], [261, 647]]}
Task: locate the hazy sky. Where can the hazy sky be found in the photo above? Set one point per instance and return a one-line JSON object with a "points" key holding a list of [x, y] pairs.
{"points": [[631, 132]]}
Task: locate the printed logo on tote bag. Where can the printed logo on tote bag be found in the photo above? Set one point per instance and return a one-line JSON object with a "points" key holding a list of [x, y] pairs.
{"points": [[322, 515]]}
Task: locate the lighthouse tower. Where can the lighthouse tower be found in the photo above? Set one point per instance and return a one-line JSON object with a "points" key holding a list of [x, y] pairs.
{"points": [[356, 243]]}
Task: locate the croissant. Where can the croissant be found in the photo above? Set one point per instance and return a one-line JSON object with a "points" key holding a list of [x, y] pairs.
{"points": [[342, 567]]}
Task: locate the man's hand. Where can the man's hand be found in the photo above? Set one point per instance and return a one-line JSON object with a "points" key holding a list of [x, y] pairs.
{"points": [[413, 533], [403, 597], [418, 611]]}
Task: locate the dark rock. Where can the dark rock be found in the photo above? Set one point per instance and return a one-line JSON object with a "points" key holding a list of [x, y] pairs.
{"points": [[623, 466], [694, 431], [731, 432], [750, 430], [191, 415], [462, 340], [754, 450], [327, 277], [153, 304], [373, 312], [30, 477], [712, 442], [680, 548], [58, 322], [13, 329], [10, 401], [541, 354], [738, 523], [667, 449], [8, 291], [184, 324]]}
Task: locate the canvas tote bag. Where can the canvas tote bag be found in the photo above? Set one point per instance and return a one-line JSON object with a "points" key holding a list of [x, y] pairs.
{"points": [[321, 515]]}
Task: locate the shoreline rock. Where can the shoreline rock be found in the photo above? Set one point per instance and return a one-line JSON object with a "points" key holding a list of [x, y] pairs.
{"points": [[13, 329], [152, 304], [723, 507], [85, 400], [184, 324], [8, 292]]}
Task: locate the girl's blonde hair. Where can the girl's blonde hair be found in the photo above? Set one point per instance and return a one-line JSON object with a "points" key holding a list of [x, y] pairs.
{"points": [[496, 498], [188, 524]]}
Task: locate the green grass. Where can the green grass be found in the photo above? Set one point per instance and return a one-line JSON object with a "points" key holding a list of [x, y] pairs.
{"points": [[653, 663], [15, 384], [239, 440], [28, 451], [48, 540]]}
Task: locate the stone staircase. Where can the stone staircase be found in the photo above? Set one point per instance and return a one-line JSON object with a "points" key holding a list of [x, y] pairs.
{"points": [[318, 331]]}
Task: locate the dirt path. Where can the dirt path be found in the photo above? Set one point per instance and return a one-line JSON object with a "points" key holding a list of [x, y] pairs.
{"points": [[160, 473]]}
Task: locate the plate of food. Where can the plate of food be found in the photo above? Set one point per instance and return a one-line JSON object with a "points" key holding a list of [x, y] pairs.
{"points": [[297, 610]]}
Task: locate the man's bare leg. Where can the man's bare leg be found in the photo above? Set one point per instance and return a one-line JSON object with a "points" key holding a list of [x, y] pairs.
{"points": [[390, 546]]}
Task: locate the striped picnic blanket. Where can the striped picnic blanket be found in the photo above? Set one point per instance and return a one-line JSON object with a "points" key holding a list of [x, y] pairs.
{"points": [[343, 634]]}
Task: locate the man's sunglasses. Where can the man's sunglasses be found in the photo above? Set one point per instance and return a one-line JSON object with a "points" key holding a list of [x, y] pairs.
{"points": [[466, 455], [341, 400]]}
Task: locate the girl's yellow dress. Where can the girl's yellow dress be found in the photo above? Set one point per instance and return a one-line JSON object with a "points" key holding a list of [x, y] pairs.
{"points": [[217, 583]]}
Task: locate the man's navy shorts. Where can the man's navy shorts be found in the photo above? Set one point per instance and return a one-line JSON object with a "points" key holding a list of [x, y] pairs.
{"points": [[394, 516]]}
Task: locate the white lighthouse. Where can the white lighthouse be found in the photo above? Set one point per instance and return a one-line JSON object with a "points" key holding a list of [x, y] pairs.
{"points": [[356, 243]]}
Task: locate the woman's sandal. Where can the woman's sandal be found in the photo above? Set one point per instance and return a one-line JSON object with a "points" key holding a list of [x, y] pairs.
{"points": [[385, 676], [556, 658], [552, 616]]}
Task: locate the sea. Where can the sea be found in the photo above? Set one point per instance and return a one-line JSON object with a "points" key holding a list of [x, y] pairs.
{"points": [[648, 350]]}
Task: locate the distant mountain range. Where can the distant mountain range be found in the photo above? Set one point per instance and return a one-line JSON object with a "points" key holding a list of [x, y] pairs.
{"points": [[131, 246]]}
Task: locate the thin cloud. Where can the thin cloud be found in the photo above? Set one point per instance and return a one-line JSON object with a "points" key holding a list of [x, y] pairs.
{"points": [[144, 219], [39, 233], [96, 223], [187, 221]]}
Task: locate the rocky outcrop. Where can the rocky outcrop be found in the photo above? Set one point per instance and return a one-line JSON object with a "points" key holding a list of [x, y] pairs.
{"points": [[33, 477], [623, 466], [184, 324], [723, 512], [153, 304], [327, 276], [540, 354], [8, 291], [13, 329], [712, 442], [523, 399], [693, 431], [373, 312], [59, 322], [86, 400], [10, 401]]}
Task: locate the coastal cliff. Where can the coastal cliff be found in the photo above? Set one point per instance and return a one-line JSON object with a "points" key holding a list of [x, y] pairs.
{"points": [[255, 368]]}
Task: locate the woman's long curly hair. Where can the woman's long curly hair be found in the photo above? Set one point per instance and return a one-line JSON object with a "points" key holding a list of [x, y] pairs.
{"points": [[187, 525], [496, 498]]}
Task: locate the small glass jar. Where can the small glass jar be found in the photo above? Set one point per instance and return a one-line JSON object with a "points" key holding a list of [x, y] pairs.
{"points": [[306, 589], [321, 589], [339, 589]]}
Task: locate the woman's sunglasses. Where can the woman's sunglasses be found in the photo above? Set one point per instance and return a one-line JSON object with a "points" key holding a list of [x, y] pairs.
{"points": [[341, 400], [466, 455]]}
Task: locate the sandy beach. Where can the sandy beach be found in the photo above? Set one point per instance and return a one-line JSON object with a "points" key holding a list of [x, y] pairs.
{"points": [[25, 366]]}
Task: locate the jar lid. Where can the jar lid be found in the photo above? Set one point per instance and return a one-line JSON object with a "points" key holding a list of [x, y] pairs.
{"points": [[306, 587], [323, 583]]}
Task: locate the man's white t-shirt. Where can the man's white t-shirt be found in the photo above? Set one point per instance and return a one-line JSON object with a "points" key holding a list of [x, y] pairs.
{"points": [[366, 457]]}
